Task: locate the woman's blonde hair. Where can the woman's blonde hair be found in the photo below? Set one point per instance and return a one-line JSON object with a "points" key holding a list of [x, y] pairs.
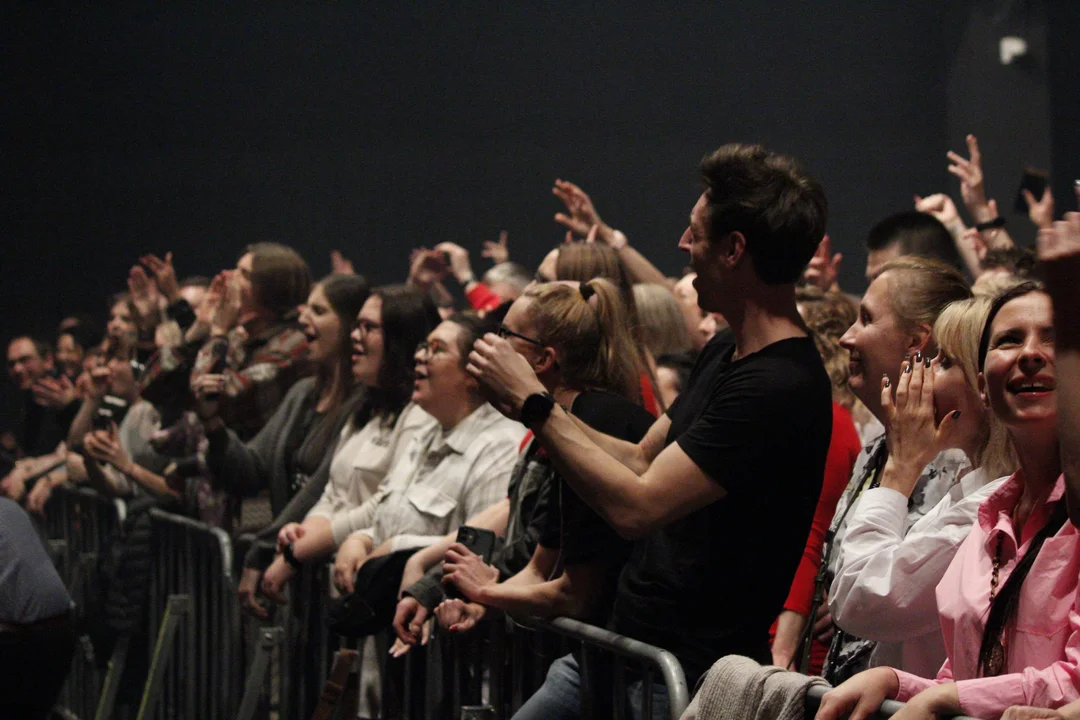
{"points": [[922, 289], [957, 332], [661, 319], [591, 335]]}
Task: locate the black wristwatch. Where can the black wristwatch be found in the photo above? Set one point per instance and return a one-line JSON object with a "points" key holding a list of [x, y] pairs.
{"points": [[536, 408], [290, 557]]}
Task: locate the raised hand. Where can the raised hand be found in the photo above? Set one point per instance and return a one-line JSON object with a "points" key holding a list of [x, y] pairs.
{"points": [[227, 313], [941, 207], [459, 261], [1058, 249], [164, 275], [1041, 211], [972, 189], [912, 433], [426, 267], [506, 378], [215, 295], [104, 446], [144, 296], [496, 251], [824, 268], [340, 265]]}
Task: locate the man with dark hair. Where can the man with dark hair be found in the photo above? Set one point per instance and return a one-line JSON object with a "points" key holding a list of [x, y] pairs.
{"points": [[721, 492], [910, 233], [47, 406]]}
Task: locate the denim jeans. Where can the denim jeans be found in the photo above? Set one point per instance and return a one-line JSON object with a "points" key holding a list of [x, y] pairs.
{"points": [[559, 698]]}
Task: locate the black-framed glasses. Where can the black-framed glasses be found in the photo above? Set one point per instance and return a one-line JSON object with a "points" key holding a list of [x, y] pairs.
{"points": [[505, 332]]}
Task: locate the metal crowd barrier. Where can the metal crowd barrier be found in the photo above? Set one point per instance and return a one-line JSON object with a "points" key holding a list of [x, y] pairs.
{"points": [[196, 671], [78, 524], [887, 710]]}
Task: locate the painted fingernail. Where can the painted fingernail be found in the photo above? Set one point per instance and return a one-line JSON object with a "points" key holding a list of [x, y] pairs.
{"points": [[955, 414], [918, 356], [926, 362], [886, 380], [907, 367]]}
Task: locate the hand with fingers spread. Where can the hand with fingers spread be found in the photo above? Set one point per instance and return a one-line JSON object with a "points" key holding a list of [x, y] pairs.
{"points": [[1040, 211], [496, 251], [410, 618], [164, 275], [458, 616], [861, 696], [468, 571], [582, 215], [247, 592], [824, 268], [426, 267], [1058, 249], [506, 378], [972, 189], [912, 434]]}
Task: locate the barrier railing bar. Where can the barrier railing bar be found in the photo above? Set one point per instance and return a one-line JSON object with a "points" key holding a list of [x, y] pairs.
{"points": [[112, 680], [887, 710], [665, 662], [269, 639], [179, 606]]}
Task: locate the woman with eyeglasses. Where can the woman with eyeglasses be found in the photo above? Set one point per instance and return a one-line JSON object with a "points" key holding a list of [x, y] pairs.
{"points": [[448, 472], [376, 358]]}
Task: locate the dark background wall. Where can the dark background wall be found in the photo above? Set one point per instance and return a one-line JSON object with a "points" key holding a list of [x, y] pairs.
{"points": [[200, 129]]}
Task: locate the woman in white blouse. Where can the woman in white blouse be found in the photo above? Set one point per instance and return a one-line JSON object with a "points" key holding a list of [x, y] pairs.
{"points": [[388, 327], [886, 573]]}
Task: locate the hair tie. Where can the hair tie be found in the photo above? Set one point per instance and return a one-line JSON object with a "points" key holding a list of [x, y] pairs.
{"points": [[586, 291]]}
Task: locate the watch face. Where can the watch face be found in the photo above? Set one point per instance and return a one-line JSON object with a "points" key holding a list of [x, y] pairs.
{"points": [[536, 408]]}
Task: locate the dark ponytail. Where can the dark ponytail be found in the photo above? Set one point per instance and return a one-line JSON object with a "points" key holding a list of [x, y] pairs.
{"points": [[1003, 608]]}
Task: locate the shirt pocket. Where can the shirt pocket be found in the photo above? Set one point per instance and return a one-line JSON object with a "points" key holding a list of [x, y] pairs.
{"points": [[430, 501], [1049, 590]]}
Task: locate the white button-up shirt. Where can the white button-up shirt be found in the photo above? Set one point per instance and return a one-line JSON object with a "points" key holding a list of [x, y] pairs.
{"points": [[439, 481]]}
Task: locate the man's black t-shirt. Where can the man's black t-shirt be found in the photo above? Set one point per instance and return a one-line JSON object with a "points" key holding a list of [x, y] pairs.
{"points": [[711, 583]]}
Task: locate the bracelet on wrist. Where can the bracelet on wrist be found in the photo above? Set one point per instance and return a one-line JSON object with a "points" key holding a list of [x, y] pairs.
{"points": [[290, 557]]}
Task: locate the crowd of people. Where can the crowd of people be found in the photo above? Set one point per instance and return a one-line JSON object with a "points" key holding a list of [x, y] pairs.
{"points": [[744, 461]]}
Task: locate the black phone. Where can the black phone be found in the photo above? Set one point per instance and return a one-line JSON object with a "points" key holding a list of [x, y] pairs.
{"points": [[479, 540], [1034, 181], [112, 410]]}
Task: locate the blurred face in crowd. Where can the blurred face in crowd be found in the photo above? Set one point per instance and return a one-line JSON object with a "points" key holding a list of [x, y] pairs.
{"points": [[25, 364], [876, 259], [876, 344], [367, 342], [122, 380], [442, 386], [193, 294], [69, 355], [248, 302], [1017, 377], [121, 327], [711, 323], [322, 328], [687, 298]]}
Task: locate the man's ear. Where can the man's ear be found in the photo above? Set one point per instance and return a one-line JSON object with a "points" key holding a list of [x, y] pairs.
{"points": [[732, 249]]}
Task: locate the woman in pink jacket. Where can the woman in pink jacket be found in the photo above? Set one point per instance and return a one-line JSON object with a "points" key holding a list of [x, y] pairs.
{"points": [[1009, 602]]}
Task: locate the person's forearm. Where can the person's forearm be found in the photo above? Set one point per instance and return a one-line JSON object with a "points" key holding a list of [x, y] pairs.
{"points": [[789, 629], [1068, 420], [640, 269], [83, 421], [99, 481], [628, 454], [151, 481], [317, 542], [549, 598]]}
